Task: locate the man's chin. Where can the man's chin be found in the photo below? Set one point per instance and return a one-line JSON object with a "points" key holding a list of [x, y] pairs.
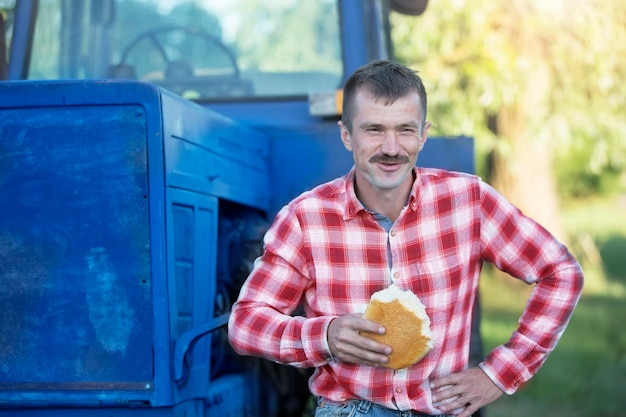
{"points": [[386, 181], [387, 184]]}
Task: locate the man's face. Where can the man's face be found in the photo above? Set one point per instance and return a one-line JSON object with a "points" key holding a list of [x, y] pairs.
{"points": [[385, 140]]}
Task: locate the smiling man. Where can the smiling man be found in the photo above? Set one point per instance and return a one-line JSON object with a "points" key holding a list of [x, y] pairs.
{"points": [[425, 230], [385, 135]]}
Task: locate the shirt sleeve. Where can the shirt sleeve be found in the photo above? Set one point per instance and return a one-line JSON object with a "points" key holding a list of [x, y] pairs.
{"points": [[521, 247], [262, 322]]}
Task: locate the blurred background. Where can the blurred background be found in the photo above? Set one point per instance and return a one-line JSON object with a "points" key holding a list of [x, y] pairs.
{"points": [[540, 85]]}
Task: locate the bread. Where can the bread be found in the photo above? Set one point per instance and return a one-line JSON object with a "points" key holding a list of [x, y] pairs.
{"points": [[406, 323]]}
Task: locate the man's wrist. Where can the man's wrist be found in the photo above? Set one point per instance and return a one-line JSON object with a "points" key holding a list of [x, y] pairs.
{"points": [[329, 352]]}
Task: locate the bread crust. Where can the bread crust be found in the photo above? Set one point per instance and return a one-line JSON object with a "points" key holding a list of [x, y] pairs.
{"points": [[403, 332]]}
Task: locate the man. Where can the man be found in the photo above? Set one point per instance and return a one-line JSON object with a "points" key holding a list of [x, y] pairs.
{"points": [[426, 230]]}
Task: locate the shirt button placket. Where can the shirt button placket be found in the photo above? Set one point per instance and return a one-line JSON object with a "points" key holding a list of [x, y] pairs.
{"points": [[395, 275], [400, 394], [392, 234]]}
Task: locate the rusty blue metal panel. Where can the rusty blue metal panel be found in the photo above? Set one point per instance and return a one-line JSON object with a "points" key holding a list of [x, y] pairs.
{"points": [[75, 266], [74, 249], [81, 245]]}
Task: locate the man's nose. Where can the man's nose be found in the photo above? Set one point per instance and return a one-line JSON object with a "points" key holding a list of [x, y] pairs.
{"points": [[390, 144]]}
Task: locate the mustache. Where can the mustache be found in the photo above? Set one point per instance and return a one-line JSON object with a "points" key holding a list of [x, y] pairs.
{"points": [[386, 159]]}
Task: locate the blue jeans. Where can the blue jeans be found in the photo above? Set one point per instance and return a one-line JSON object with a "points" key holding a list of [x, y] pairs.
{"points": [[356, 408]]}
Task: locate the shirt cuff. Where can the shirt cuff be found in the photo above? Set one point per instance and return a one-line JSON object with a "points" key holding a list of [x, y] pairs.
{"points": [[505, 369], [315, 341]]}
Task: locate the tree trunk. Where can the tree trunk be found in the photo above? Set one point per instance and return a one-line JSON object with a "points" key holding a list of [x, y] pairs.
{"points": [[522, 161], [523, 173]]}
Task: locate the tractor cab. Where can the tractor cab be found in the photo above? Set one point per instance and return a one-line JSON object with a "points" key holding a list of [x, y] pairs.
{"points": [[145, 147]]}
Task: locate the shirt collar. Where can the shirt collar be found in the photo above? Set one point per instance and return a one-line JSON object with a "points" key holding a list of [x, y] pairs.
{"points": [[352, 204]]}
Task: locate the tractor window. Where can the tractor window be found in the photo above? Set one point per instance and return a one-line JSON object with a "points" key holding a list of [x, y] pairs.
{"points": [[6, 18], [201, 49]]}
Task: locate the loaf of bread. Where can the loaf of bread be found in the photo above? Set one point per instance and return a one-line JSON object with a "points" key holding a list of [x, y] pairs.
{"points": [[406, 323]]}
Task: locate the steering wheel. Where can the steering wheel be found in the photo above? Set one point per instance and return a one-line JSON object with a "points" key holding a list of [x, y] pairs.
{"points": [[178, 74]]}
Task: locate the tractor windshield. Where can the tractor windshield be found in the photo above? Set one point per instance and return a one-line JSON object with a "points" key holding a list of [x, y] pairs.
{"points": [[201, 49]]}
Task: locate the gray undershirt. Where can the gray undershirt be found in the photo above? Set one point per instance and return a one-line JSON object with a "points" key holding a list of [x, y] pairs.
{"points": [[386, 223]]}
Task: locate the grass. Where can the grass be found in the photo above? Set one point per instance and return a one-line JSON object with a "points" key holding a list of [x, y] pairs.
{"points": [[586, 374]]}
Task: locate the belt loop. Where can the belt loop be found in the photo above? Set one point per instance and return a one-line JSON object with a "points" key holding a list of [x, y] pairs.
{"points": [[364, 406]]}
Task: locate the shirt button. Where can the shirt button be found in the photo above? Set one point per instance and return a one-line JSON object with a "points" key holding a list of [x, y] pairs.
{"points": [[399, 390], [393, 233], [396, 275]]}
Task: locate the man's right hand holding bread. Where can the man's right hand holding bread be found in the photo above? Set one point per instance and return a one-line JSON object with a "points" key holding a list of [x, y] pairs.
{"points": [[348, 345], [464, 392]]}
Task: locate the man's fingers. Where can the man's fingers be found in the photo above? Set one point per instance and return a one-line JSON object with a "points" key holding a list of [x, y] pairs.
{"points": [[445, 382], [465, 392], [446, 393], [362, 350], [347, 344], [347, 326], [357, 323]]}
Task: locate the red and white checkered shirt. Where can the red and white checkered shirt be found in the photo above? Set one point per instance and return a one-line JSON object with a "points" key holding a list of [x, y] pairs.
{"points": [[326, 251]]}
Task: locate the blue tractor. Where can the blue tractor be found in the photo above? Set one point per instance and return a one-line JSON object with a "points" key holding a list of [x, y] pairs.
{"points": [[145, 146]]}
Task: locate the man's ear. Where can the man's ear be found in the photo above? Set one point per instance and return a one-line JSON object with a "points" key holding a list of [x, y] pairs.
{"points": [[345, 136], [424, 136]]}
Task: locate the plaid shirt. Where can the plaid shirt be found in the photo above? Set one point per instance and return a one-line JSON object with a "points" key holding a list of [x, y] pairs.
{"points": [[327, 252]]}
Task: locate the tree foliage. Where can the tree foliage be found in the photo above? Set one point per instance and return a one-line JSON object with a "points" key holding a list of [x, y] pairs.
{"points": [[556, 66]]}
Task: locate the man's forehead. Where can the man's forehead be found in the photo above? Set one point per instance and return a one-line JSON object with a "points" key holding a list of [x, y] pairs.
{"points": [[366, 95], [369, 103]]}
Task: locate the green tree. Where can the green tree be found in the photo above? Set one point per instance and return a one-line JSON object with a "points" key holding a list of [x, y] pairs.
{"points": [[530, 81]]}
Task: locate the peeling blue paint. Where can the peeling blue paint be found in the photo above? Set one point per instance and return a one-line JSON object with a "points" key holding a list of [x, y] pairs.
{"points": [[110, 311]]}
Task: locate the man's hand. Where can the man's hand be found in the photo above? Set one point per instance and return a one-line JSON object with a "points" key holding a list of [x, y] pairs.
{"points": [[465, 392], [347, 345]]}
